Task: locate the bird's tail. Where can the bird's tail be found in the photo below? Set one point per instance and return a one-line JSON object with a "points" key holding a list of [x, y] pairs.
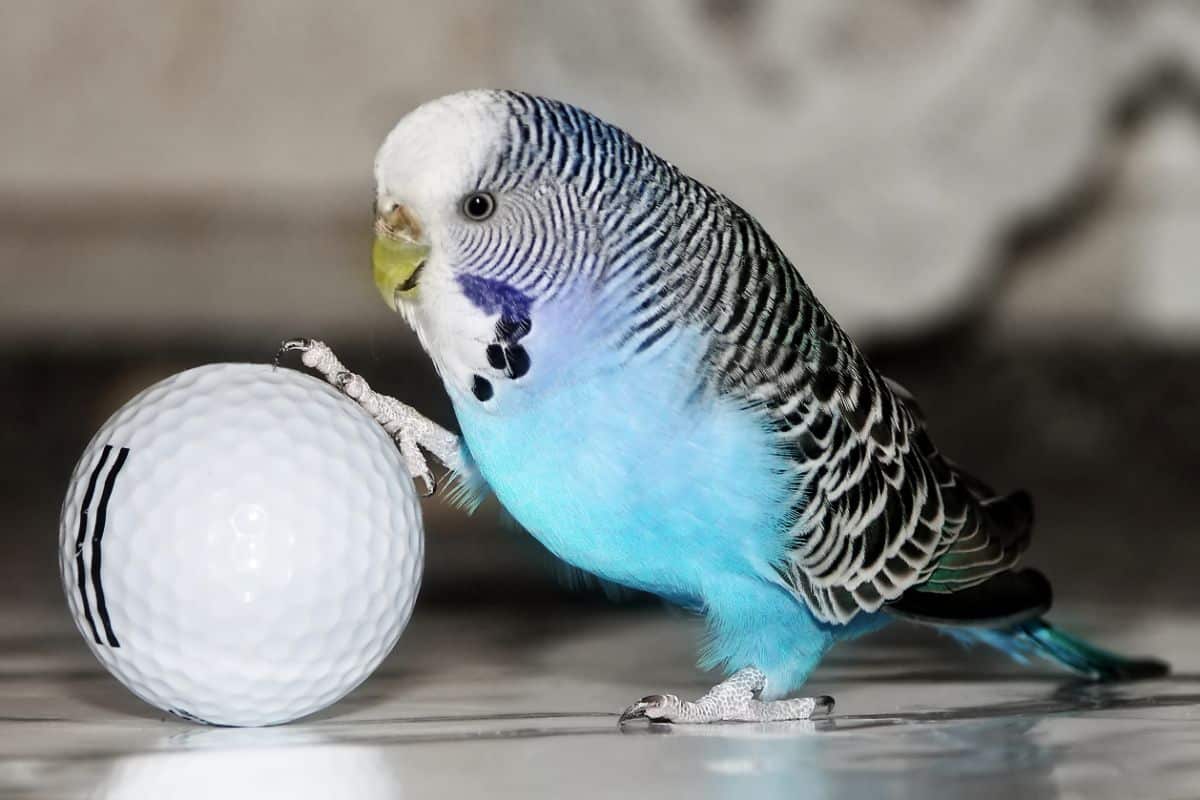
{"points": [[1036, 637]]}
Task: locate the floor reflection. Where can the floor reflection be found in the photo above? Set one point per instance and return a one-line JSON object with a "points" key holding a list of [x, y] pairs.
{"points": [[233, 764], [863, 757], [454, 714]]}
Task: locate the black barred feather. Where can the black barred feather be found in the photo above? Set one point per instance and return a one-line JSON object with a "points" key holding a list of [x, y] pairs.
{"points": [[877, 514]]}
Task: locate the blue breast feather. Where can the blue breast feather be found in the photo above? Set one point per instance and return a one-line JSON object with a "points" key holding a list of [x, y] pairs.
{"points": [[626, 473]]}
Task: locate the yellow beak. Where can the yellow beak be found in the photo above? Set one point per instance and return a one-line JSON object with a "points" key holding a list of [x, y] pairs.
{"points": [[399, 253], [397, 266]]}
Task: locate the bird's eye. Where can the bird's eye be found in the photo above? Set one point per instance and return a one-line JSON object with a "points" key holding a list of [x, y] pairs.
{"points": [[478, 206]]}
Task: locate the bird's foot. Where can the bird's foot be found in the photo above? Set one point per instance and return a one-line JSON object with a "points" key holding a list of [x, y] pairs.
{"points": [[408, 428], [735, 699]]}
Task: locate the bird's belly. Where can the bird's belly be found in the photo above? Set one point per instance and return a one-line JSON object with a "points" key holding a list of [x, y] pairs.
{"points": [[633, 479]]}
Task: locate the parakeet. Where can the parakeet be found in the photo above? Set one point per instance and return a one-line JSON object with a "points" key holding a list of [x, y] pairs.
{"points": [[649, 387]]}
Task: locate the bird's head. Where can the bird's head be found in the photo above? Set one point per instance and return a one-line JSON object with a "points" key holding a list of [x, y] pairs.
{"points": [[500, 215], [501, 199], [432, 194]]}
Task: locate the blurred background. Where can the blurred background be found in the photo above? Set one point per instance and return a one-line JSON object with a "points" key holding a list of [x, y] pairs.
{"points": [[998, 199]]}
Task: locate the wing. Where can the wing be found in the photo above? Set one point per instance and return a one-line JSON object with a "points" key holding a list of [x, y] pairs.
{"points": [[877, 512]]}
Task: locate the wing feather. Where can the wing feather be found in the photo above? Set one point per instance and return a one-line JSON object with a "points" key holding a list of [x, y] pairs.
{"points": [[878, 512]]}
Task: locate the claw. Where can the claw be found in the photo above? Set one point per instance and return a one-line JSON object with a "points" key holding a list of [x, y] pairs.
{"points": [[290, 345], [635, 711], [407, 428], [646, 708], [417, 466], [430, 484]]}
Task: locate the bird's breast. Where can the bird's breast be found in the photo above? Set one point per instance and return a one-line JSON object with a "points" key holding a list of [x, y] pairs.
{"points": [[630, 473]]}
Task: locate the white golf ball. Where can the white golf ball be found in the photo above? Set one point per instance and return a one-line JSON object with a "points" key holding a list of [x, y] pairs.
{"points": [[241, 545]]}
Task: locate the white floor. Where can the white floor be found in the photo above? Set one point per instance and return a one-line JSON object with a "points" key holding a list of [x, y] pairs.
{"points": [[476, 703]]}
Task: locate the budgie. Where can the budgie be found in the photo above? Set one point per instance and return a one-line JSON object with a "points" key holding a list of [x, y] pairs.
{"points": [[647, 384]]}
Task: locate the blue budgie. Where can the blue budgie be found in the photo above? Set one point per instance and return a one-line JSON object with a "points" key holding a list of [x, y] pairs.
{"points": [[649, 387]]}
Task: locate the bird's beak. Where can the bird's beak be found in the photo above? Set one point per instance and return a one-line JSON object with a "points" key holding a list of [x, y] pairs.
{"points": [[399, 253]]}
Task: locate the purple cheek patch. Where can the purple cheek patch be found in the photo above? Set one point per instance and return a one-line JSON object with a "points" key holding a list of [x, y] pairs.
{"points": [[504, 354], [495, 297]]}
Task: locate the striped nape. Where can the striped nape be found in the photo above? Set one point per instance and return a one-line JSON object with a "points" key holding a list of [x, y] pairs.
{"points": [[584, 201], [872, 510]]}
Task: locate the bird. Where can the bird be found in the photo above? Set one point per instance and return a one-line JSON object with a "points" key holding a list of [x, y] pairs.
{"points": [[647, 384]]}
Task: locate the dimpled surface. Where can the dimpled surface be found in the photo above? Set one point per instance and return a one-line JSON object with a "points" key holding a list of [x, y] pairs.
{"points": [[260, 547]]}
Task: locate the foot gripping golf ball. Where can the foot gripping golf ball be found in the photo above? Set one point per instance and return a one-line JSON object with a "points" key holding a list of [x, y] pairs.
{"points": [[241, 545]]}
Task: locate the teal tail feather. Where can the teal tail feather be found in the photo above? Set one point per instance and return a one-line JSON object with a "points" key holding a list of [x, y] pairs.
{"points": [[1038, 638]]}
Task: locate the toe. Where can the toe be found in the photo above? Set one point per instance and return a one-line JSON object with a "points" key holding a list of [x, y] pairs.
{"points": [[656, 707], [635, 711], [652, 707], [822, 706], [429, 484], [289, 345]]}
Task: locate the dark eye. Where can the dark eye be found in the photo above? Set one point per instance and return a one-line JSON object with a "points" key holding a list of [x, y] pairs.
{"points": [[478, 206]]}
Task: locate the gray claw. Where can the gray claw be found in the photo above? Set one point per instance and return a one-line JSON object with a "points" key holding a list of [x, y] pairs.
{"points": [[290, 345], [638, 710], [430, 484], [635, 711]]}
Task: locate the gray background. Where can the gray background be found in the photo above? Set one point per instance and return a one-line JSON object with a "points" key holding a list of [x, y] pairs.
{"points": [[998, 199]]}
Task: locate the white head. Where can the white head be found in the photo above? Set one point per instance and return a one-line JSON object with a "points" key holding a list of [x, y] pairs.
{"points": [[429, 163], [437, 155], [490, 203]]}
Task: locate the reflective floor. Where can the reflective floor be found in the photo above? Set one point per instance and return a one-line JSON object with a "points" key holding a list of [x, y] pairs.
{"points": [[504, 685], [480, 703]]}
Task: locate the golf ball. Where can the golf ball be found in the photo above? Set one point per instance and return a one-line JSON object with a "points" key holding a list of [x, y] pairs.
{"points": [[241, 545]]}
